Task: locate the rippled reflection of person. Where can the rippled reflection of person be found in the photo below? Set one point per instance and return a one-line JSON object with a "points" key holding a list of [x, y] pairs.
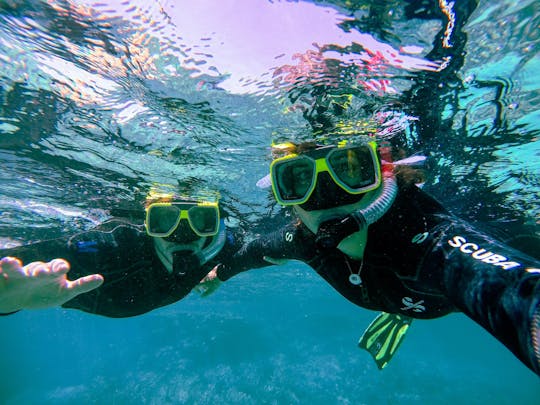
{"points": [[386, 245], [142, 264]]}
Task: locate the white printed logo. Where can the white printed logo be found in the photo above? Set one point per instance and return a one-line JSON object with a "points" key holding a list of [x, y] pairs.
{"points": [[481, 254], [421, 237], [415, 306], [288, 236]]}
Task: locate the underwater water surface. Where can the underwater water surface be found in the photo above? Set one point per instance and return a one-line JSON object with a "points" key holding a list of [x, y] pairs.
{"points": [[101, 102]]}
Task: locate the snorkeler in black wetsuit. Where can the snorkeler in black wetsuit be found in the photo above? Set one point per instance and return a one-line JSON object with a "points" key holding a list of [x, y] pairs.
{"points": [[386, 245], [141, 272]]}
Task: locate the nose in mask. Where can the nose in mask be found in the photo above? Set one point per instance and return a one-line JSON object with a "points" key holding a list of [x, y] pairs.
{"points": [[183, 234], [327, 194]]}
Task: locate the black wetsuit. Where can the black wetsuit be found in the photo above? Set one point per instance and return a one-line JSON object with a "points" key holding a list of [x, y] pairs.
{"points": [[135, 280], [422, 262]]}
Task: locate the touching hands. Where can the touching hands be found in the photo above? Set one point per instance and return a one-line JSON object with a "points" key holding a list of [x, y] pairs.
{"points": [[209, 284], [39, 285]]}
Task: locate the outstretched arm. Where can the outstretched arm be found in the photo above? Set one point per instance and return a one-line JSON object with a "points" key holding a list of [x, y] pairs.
{"points": [[268, 248], [39, 285], [495, 285]]}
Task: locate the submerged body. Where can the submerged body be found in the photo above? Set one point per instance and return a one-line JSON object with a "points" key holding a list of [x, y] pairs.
{"points": [[422, 262], [136, 279]]}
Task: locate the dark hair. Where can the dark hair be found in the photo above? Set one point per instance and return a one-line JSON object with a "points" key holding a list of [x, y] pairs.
{"points": [[407, 174]]}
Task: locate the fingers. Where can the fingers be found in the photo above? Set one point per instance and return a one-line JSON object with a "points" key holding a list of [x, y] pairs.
{"points": [[209, 283], [11, 267], [84, 284], [54, 268], [208, 278], [9, 264], [35, 269], [211, 276], [59, 266], [10, 261]]}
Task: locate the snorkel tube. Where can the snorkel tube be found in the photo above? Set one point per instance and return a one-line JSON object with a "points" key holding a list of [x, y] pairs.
{"points": [[181, 257], [218, 241], [386, 194]]}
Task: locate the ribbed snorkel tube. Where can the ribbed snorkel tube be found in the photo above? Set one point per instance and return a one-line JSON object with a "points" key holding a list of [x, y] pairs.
{"points": [[218, 241], [385, 195]]}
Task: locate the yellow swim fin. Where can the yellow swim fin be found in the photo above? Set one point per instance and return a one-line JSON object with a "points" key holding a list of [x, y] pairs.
{"points": [[383, 336]]}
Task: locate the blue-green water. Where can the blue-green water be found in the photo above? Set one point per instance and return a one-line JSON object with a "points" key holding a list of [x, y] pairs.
{"points": [[103, 101], [282, 337], [253, 343]]}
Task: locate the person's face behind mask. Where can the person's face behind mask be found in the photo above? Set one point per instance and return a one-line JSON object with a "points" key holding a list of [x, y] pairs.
{"points": [[328, 195], [183, 234]]}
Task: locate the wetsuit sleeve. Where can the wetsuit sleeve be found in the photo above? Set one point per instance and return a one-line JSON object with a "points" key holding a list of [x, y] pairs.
{"points": [[41, 251], [493, 284], [87, 252], [287, 242], [135, 281], [120, 251]]}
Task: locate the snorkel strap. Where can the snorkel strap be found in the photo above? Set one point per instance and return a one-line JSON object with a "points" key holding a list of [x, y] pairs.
{"points": [[218, 241]]}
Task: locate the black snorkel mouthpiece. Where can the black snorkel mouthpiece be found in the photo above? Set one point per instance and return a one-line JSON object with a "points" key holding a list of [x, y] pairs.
{"points": [[185, 262]]}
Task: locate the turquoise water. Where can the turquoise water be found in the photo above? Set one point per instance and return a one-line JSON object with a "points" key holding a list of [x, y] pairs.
{"points": [[253, 343], [103, 101], [284, 337]]}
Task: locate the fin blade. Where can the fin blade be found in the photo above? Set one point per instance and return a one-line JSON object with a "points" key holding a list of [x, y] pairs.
{"points": [[383, 337]]}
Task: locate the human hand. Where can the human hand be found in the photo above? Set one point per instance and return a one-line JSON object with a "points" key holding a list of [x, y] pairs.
{"points": [[39, 285], [209, 283], [333, 231]]}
